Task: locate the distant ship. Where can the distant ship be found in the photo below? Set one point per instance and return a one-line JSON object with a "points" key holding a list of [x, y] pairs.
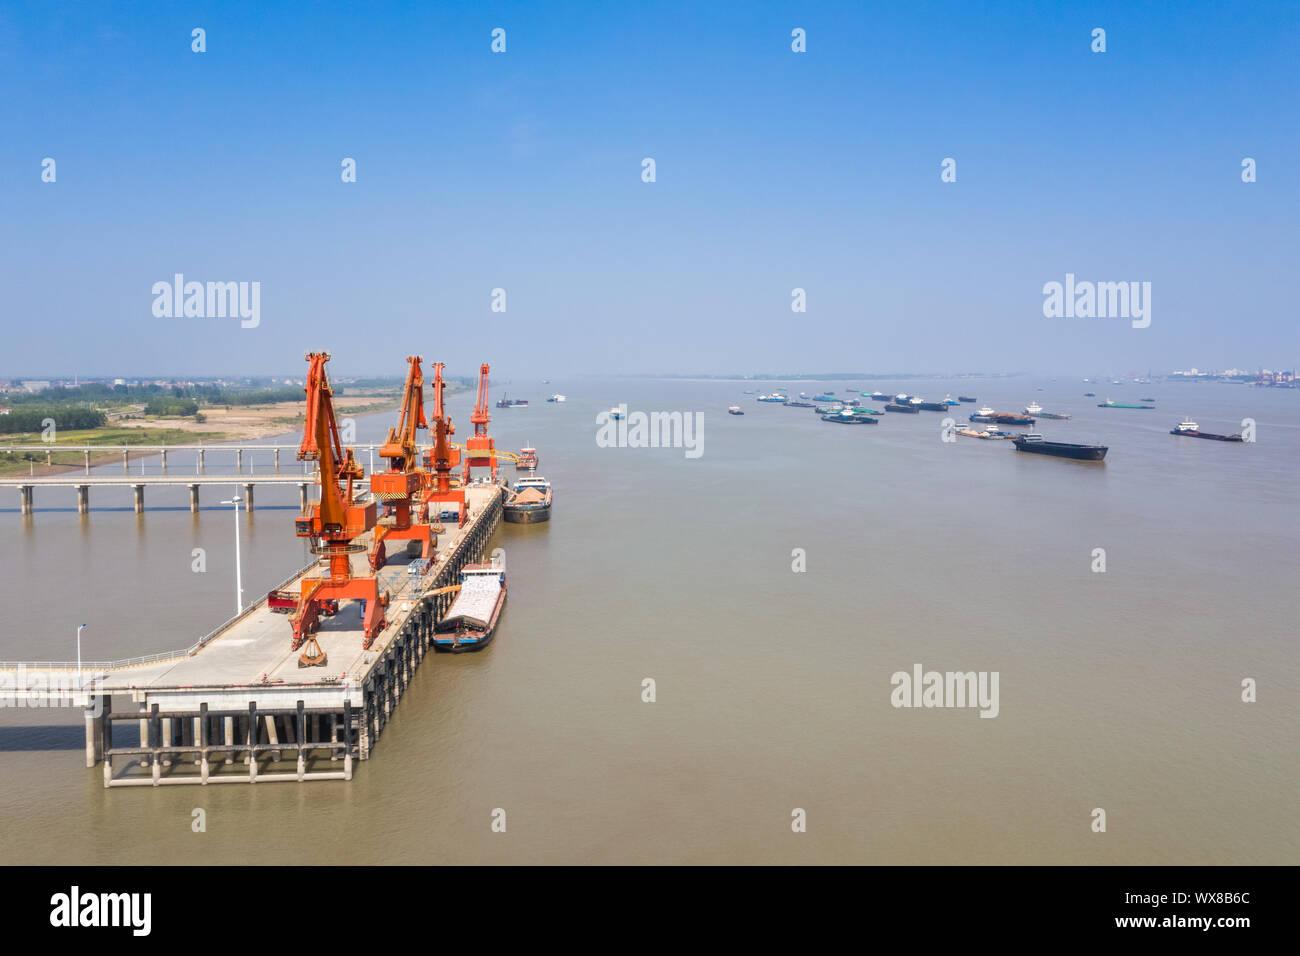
{"points": [[966, 398], [794, 404], [1035, 443], [908, 407], [847, 417], [734, 410], [1033, 408], [615, 413], [987, 414], [1109, 404], [527, 458], [1192, 430], [1089, 394], [771, 398], [933, 406], [992, 432], [506, 402], [556, 398]]}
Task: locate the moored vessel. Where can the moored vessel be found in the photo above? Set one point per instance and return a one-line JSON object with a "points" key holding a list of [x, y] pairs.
{"points": [[734, 410], [907, 407], [527, 458], [529, 501], [1109, 404], [966, 398], [471, 621]]}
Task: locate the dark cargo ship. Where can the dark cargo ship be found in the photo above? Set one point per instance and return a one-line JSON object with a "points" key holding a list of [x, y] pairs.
{"points": [[1191, 430], [909, 409], [1035, 443], [848, 417], [530, 501]]}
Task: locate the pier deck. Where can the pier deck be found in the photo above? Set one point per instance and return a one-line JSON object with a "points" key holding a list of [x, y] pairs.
{"points": [[242, 682]]}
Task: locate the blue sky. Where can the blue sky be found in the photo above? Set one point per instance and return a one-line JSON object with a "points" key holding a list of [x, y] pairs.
{"points": [[775, 170]]}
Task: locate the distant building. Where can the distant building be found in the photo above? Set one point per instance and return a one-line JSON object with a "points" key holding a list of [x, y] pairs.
{"points": [[35, 386]]}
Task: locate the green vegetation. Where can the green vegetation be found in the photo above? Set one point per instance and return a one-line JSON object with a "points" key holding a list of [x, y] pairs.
{"points": [[31, 418], [172, 407]]}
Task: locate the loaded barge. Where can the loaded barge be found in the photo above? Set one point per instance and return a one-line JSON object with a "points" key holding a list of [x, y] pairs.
{"points": [[472, 618], [530, 501]]}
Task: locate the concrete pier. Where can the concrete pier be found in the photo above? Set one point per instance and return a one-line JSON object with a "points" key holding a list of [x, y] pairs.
{"points": [[126, 460], [87, 461], [83, 499], [302, 498], [25, 499], [248, 497], [163, 455], [236, 708], [239, 459], [139, 498], [194, 499]]}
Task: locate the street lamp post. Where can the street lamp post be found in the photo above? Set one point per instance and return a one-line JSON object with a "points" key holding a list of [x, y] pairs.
{"points": [[80, 628], [239, 581]]}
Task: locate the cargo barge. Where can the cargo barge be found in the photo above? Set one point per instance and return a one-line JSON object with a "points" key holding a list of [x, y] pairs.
{"points": [[471, 620], [530, 501], [1190, 429], [1060, 449], [849, 417]]}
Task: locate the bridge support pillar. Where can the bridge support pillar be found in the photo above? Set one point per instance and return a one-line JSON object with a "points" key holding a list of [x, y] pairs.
{"points": [[95, 729], [126, 462], [277, 459], [25, 497], [239, 459], [302, 498], [88, 461], [200, 459], [248, 497], [83, 499], [139, 498], [194, 499], [49, 458], [163, 455]]}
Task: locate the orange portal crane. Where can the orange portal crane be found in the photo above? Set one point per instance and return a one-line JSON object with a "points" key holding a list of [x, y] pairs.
{"points": [[399, 487], [332, 523], [479, 448], [442, 458]]}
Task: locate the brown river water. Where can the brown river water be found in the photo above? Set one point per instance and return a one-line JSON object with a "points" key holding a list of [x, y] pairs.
{"points": [[1118, 690]]}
